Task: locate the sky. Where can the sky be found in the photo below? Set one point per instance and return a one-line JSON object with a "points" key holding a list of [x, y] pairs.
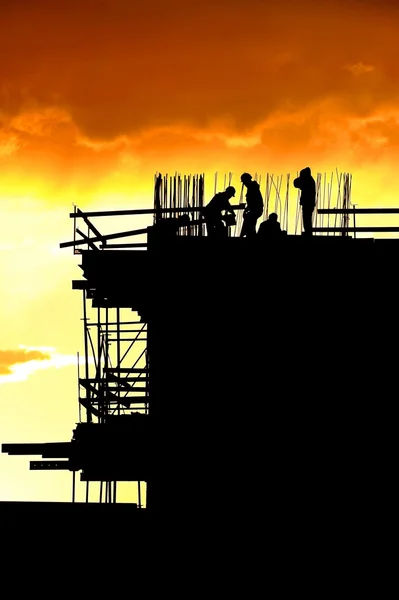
{"points": [[98, 95]]}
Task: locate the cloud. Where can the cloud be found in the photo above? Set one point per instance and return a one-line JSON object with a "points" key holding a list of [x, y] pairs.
{"points": [[40, 121], [114, 91], [119, 143], [19, 364], [359, 68], [118, 69], [12, 358], [9, 144]]}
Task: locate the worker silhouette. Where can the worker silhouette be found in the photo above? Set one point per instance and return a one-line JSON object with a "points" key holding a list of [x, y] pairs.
{"points": [[307, 185], [254, 207], [217, 223], [270, 229]]}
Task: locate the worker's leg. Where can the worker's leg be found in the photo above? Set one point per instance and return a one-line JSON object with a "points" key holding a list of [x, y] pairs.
{"points": [[244, 225], [250, 221], [307, 220], [220, 230]]}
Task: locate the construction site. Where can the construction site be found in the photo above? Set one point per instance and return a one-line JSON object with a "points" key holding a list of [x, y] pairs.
{"points": [[230, 375]]}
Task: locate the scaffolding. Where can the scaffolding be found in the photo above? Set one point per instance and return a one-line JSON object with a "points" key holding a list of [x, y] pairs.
{"points": [[114, 382], [185, 195]]}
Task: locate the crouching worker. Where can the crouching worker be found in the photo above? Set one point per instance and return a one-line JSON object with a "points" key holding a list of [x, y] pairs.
{"points": [[216, 223], [270, 229]]}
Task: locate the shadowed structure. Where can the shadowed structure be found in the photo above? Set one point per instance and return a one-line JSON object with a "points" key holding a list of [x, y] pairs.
{"points": [[266, 363]]}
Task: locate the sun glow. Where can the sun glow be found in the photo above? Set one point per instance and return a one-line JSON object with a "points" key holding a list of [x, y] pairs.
{"points": [[18, 365]]}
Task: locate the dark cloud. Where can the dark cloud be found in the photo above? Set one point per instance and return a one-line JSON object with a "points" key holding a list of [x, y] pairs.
{"points": [[121, 67]]}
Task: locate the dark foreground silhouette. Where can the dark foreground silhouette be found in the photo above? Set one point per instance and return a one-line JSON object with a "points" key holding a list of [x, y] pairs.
{"points": [[270, 229], [307, 185], [266, 388], [219, 214], [254, 207], [271, 387]]}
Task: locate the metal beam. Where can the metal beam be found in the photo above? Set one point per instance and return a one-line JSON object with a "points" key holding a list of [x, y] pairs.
{"points": [[125, 370], [126, 401], [22, 449], [121, 246], [358, 211], [113, 378], [356, 229], [51, 465], [114, 474], [110, 390], [87, 240], [46, 449], [90, 409], [142, 211], [88, 223], [111, 236]]}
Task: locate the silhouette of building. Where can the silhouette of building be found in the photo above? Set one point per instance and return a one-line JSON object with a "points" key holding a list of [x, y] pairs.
{"points": [[257, 382]]}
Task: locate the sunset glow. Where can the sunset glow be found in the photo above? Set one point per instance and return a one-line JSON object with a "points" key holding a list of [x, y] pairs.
{"points": [[18, 365], [98, 95]]}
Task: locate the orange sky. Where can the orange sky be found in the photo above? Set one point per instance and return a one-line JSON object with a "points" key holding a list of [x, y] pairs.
{"points": [[97, 95]]}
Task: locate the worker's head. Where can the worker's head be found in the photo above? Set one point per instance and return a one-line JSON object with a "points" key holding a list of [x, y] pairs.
{"points": [[230, 191], [305, 172], [246, 178], [273, 217]]}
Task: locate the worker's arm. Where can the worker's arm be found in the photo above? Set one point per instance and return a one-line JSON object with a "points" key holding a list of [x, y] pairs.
{"points": [[230, 209], [297, 183]]}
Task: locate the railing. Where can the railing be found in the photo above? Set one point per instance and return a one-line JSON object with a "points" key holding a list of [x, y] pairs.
{"points": [[355, 229]]}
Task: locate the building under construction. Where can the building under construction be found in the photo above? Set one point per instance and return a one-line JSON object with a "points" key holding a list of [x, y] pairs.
{"points": [[235, 374]]}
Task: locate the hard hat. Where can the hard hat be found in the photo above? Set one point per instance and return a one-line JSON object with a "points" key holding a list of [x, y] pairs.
{"points": [[245, 176], [231, 190]]}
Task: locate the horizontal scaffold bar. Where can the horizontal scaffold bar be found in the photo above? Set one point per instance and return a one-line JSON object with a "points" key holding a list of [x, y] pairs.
{"points": [[115, 379], [142, 211], [356, 229], [127, 401], [125, 370], [121, 246], [358, 211], [46, 450], [110, 236], [50, 465]]}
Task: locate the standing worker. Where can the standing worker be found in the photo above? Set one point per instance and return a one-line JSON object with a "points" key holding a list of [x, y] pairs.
{"points": [[254, 208], [307, 185], [213, 213]]}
